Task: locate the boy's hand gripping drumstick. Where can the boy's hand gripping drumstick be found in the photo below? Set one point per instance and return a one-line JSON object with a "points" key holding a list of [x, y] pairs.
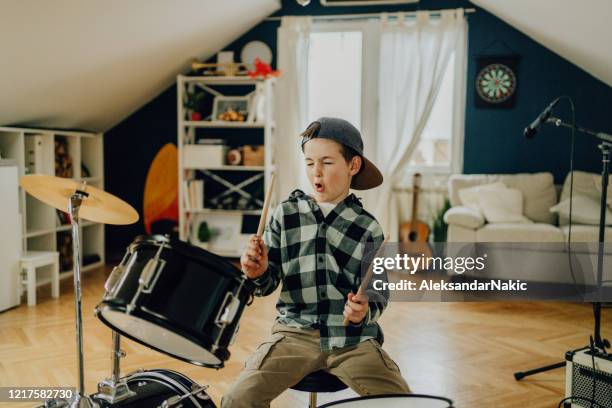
{"points": [[253, 255], [366, 280]]}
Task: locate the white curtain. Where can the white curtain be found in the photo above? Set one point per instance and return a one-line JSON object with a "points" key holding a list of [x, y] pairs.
{"points": [[413, 57], [291, 103]]}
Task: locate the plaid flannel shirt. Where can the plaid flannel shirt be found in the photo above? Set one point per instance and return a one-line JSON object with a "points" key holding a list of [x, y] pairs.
{"points": [[319, 261]]}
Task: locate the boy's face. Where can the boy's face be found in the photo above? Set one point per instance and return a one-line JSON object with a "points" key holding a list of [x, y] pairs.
{"points": [[329, 174]]}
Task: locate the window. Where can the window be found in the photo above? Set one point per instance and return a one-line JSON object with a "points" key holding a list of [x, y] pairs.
{"points": [[335, 75], [343, 82], [434, 151]]}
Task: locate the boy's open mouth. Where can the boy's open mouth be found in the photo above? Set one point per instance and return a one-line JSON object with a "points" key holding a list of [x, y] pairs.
{"points": [[319, 187]]}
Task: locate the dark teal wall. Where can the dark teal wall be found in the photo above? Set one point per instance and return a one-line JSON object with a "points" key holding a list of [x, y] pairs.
{"points": [[493, 138]]}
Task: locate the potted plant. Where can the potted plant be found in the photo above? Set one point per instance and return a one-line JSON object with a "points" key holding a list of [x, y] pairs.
{"points": [[204, 235], [440, 228], [194, 104]]}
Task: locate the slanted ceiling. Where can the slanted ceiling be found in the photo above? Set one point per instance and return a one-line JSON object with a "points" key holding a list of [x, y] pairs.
{"points": [[89, 64], [579, 31]]}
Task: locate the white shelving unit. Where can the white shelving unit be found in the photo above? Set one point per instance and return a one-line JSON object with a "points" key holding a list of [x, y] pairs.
{"points": [[41, 228], [227, 221]]}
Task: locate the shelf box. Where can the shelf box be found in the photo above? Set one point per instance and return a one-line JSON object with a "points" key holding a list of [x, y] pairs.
{"points": [[199, 156]]}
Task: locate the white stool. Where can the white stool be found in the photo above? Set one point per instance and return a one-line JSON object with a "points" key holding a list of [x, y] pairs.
{"points": [[35, 259]]}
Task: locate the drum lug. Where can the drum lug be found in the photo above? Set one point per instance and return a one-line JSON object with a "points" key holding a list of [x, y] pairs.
{"points": [[116, 274], [148, 277], [228, 310], [150, 273], [113, 279]]}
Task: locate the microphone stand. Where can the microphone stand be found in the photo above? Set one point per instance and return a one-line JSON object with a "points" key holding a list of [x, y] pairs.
{"points": [[605, 147]]}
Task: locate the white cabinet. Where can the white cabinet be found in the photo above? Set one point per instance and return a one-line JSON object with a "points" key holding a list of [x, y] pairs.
{"points": [[10, 249], [74, 154], [229, 178]]}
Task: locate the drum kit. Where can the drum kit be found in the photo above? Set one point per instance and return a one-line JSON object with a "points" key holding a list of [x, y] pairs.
{"points": [[170, 296], [165, 294]]}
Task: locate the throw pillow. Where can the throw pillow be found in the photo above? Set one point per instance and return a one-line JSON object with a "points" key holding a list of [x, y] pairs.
{"points": [[502, 205], [585, 210]]}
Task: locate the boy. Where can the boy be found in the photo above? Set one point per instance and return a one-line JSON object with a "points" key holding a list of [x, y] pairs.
{"points": [[315, 245]]}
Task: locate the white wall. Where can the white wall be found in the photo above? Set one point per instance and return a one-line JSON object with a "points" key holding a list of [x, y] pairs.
{"points": [[90, 64]]}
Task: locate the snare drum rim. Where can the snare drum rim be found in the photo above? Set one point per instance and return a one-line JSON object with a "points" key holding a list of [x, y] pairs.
{"points": [[222, 354], [379, 396]]}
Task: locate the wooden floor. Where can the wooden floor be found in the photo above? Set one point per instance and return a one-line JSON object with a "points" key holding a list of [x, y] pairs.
{"points": [[464, 351]]}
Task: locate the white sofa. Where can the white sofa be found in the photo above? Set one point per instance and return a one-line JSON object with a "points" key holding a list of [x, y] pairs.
{"points": [[536, 262], [539, 195]]}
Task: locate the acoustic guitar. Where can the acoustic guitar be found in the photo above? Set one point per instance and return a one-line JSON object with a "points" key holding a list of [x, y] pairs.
{"points": [[414, 235]]}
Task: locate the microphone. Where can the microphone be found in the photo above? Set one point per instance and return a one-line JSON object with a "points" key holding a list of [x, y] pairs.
{"points": [[531, 130]]}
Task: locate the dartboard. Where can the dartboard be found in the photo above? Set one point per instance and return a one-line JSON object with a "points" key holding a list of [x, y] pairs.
{"points": [[496, 83]]}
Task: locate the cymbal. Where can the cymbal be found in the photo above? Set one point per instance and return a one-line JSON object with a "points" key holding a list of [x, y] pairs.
{"points": [[97, 206]]}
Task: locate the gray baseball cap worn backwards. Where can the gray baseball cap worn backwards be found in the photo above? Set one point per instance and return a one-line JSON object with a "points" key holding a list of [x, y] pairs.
{"points": [[346, 134]]}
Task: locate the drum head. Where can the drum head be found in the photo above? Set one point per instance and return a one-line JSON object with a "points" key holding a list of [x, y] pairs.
{"points": [[157, 337], [393, 401]]}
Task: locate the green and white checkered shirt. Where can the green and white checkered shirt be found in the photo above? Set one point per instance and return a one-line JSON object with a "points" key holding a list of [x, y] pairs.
{"points": [[319, 261]]}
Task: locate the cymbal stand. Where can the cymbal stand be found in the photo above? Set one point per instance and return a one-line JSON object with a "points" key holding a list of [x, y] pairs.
{"points": [[79, 399]]}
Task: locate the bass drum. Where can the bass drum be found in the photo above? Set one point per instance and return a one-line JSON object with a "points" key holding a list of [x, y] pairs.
{"points": [[153, 387]]}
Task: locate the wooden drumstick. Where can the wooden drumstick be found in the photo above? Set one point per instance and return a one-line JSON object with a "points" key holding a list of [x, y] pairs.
{"points": [[366, 280], [264, 212]]}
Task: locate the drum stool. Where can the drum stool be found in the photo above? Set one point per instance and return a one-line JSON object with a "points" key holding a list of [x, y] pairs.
{"points": [[36, 259], [322, 381], [319, 381]]}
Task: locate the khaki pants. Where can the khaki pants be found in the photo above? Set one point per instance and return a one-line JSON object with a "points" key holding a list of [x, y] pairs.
{"points": [[291, 353]]}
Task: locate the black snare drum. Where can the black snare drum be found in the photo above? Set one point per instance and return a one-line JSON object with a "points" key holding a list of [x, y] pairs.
{"points": [[176, 298], [150, 389], [393, 401]]}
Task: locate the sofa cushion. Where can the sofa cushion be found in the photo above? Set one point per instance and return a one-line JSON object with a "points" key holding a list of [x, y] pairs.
{"points": [[465, 217], [457, 233], [470, 196], [585, 210], [515, 232], [585, 184], [503, 205], [587, 233], [538, 190]]}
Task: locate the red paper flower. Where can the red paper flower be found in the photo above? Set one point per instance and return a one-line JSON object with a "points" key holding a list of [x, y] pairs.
{"points": [[263, 70]]}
